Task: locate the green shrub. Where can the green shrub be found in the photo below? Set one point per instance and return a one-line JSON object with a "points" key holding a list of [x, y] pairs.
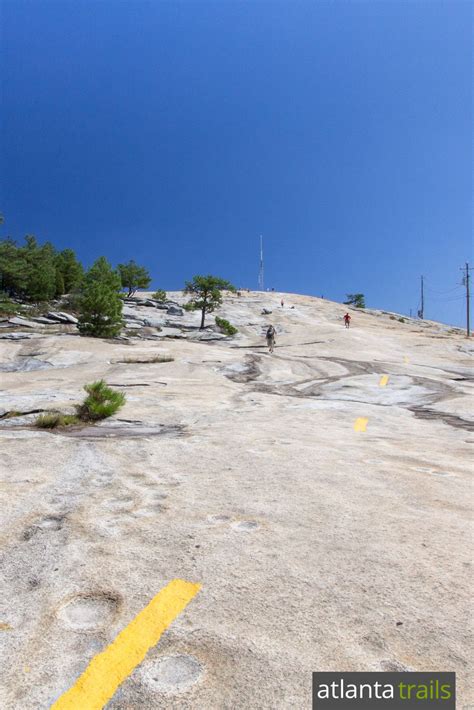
{"points": [[8, 307], [101, 402], [159, 295], [225, 326], [392, 317], [401, 320], [51, 420], [190, 306]]}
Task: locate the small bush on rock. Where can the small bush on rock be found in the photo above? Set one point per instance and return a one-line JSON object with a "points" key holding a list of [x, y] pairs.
{"points": [[225, 326], [159, 295], [101, 402]]}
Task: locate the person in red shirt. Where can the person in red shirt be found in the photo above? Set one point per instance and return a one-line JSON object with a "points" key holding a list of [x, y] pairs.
{"points": [[347, 320]]}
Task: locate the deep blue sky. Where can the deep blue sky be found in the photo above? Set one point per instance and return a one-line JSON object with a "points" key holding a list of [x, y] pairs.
{"points": [[176, 132]]}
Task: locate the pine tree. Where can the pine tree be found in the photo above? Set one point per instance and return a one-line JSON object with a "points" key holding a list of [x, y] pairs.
{"points": [[71, 270], [41, 281], [206, 293], [13, 268], [355, 299], [133, 277], [100, 304]]}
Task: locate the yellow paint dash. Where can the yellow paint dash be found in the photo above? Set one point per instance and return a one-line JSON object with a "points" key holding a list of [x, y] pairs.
{"points": [[4, 626], [94, 688], [383, 381], [406, 360], [360, 424]]}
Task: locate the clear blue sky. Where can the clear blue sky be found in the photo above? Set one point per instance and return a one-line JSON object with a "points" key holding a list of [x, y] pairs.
{"points": [[176, 132]]}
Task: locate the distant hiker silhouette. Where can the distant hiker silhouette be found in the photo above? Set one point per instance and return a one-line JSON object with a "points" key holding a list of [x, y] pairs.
{"points": [[270, 338], [347, 320], [282, 303]]}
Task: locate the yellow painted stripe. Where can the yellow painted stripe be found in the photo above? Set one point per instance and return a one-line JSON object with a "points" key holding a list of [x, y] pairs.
{"points": [[383, 381], [360, 424], [94, 688], [406, 360]]}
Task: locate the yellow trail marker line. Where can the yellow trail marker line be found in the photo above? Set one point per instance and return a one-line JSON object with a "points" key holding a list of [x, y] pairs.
{"points": [[94, 688], [360, 424], [406, 360], [383, 381]]}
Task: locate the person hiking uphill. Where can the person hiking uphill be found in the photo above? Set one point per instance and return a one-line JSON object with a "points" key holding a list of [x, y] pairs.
{"points": [[347, 320], [271, 332]]}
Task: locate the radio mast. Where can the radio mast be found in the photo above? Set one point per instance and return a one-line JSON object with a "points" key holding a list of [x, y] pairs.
{"points": [[260, 273]]}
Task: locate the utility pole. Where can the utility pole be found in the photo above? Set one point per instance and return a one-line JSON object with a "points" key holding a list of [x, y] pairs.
{"points": [[421, 312], [260, 273], [465, 282]]}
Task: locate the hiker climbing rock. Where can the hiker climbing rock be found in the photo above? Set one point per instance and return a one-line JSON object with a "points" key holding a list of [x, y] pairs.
{"points": [[282, 303], [347, 320], [271, 338]]}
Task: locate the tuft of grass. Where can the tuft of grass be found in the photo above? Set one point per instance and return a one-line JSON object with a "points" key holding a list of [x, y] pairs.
{"points": [[225, 326], [101, 402], [148, 361], [51, 420], [401, 320]]}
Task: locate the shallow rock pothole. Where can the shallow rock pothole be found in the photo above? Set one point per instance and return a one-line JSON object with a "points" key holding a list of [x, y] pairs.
{"points": [[89, 611], [245, 525], [172, 674], [216, 519], [118, 429]]}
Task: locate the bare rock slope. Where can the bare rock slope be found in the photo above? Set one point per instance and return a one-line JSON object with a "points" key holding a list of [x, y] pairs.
{"points": [[323, 507]]}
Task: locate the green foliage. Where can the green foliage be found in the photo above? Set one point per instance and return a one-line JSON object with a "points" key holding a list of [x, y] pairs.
{"points": [[51, 420], [355, 299], [225, 326], [101, 402], [37, 272], [72, 301], [7, 306], [70, 272], [159, 295], [13, 268], [133, 277], [206, 293], [100, 306], [190, 306], [41, 270], [401, 320]]}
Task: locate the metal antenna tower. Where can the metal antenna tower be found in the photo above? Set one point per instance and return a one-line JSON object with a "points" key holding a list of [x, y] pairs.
{"points": [[260, 273]]}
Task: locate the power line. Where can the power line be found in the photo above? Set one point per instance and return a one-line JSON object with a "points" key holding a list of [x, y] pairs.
{"points": [[442, 293]]}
